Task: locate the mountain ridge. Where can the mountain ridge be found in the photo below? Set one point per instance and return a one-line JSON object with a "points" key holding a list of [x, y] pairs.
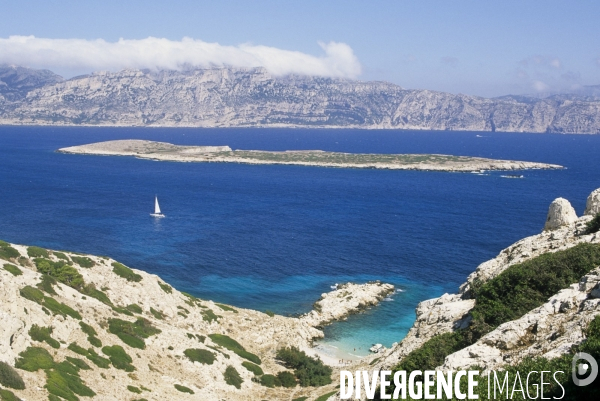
{"points": [[252, 97]]}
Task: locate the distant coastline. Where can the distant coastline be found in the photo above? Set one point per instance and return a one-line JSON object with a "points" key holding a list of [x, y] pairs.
{"points": [[163, 151]]}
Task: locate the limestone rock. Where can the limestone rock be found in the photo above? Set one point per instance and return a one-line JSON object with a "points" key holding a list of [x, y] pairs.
{"points": [[592, 205], [549, 330], [344, 300], [560, 214], [243, 97]]}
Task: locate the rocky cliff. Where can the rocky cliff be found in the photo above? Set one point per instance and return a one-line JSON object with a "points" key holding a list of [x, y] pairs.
{"points": [[252, 97]]}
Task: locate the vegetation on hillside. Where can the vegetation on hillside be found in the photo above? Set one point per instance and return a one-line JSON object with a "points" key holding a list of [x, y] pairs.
{"points": [[132, 333], [9, 377], [200, 355], [232, 377], [62, 379], [7, 252], [309, 371], [125, 272], [516, 291], [593, 226], [232, 345]]}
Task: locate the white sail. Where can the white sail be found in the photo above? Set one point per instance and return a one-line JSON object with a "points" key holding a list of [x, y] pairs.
{"points": [[156, 207]]}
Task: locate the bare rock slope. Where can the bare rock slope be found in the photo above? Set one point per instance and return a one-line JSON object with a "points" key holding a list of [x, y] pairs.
{"points": [[252, 97]]}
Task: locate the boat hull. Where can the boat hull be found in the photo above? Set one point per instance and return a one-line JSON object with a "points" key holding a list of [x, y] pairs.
{"points": [[157, 215]]}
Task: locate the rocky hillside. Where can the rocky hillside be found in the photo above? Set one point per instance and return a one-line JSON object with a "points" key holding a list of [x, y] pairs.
{"points": [[252, 97], [536, 299], [77, 326]]}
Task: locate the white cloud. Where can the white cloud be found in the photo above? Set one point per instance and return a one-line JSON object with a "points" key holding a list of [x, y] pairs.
{"points": [[338, 59], [540, 86]]}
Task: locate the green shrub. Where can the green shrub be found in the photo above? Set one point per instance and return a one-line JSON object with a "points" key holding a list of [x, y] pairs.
{"points": [[227, 308], [87, 329], [232, 345], [61, 271], [80, 363], [83, 261], [32, 294], [209, 316], [12, 269], [270, 381], [60, 255], [42, 334], [309, 371], [59, 308], [287, 379], [132, 333], [134, 308], [593, 226], [37, 252], [270, 313], [232, 377], [91, 291], [325, 396], [184, 389], [7, 395], [300, 399], [157, 314], [95, 341], [125, 272], [98, 360], [47, 284], [7, 252], [33, 359], [91, 332], [77, 349], [200, 355], [253, 368], [134, 389], [166, 287], [119, 358], [525, 286], [66, 386], [9, 377], [90, 354]]}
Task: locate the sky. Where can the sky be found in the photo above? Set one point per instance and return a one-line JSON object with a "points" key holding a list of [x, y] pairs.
{"points": [[485, 48]]}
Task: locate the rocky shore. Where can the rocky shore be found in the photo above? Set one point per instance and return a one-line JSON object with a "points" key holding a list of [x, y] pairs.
{"points": [[346, 299], [162, 151]]}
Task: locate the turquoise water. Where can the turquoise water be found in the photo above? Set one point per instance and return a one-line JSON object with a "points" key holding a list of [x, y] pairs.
{"points": [[276, 237]]}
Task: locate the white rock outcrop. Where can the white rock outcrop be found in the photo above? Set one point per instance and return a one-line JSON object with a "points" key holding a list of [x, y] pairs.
{"points": [[548, 331], [592, 205], [346, 299], [560, 214]]}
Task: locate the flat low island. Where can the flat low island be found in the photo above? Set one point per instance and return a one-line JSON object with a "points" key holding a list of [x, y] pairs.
{"points": [[163, 151]]}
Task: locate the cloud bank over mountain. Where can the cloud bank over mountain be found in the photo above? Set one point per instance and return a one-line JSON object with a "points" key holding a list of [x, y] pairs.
{"points": [[337, 61]]}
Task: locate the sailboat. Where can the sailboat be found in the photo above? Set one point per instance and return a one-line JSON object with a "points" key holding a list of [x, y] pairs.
{"points": [[157, 212]]}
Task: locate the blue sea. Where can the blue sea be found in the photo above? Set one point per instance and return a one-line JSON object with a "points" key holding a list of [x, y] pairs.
{"points": [[277, 237]]}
